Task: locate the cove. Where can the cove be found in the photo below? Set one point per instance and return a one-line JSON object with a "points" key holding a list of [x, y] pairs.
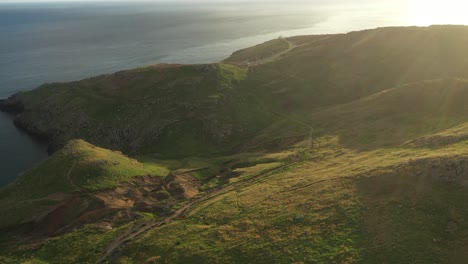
{"points": [[18, 151]]}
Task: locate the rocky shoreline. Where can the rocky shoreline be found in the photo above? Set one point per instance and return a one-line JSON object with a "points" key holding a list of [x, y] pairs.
{"points": [[11, 105], [15, 107]]}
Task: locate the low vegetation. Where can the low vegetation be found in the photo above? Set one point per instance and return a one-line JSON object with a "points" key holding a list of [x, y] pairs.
{"points": [[259, 52], [348, 148]]}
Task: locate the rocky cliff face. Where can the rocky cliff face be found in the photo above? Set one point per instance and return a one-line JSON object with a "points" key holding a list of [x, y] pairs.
{"points": [[12, 105], [176, 110]]}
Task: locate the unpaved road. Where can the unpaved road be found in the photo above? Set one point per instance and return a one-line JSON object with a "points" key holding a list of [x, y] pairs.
{"points": [[139, 229], [275, 56]]}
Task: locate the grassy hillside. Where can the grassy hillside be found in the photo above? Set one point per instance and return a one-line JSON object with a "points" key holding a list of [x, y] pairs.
{"points": [[397, 115], [327, 70], [169, 109], [78, 167], [259, 52], [347, 148], [178, 110], [336, 206], [349, 207]]}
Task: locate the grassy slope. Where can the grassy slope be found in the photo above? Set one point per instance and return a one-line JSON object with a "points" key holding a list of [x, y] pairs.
{"points": [[78, 166], [283, 218], [356, 199], [169, 109], [353, 218], [397, 115], [327, 70], [258, 52], [347, 220], [362, 208], [187, 110], [87, 167]]}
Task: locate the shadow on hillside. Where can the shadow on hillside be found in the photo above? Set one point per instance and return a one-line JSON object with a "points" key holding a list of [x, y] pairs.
{"points": [[417, 211], [395, 116]]}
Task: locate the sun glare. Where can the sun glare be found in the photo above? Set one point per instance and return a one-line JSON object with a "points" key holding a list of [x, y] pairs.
{"points": [[430, 12]]}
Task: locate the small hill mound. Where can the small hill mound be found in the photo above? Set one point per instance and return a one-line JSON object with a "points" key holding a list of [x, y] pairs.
{"points": [[80, 165]]}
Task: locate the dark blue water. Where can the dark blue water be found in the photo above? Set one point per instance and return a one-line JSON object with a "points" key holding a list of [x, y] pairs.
{"points": [[19, 151], [52, 42]]}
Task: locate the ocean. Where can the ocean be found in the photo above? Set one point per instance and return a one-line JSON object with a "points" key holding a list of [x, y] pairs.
{"points": [[56, 42]]}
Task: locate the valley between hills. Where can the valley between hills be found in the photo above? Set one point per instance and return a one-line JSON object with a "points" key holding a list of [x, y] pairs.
{"points": [[343, 148]]}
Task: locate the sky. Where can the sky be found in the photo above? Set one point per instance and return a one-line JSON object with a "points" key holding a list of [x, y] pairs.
{"points": [[190, 1], [45, 1], [420, 12]]}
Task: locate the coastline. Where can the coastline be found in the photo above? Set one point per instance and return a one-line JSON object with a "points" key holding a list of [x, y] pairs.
{"points": [[14, 108], [21, 150]]}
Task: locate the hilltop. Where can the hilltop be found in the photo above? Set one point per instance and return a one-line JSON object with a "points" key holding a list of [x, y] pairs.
{"points": [[345, 148]]}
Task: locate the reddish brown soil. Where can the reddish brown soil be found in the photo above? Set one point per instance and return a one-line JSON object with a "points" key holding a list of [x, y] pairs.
{"points": [[142, 194]]}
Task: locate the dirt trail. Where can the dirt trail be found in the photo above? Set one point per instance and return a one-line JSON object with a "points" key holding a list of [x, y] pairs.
{"points": [[291, 46], [51, 197], [139, 229], [276, 56], [69, 176]]}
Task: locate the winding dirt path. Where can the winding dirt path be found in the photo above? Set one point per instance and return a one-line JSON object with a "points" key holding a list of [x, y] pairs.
{"points": [[69, 176], [139, 229], [142, 228], [276, 56]]}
